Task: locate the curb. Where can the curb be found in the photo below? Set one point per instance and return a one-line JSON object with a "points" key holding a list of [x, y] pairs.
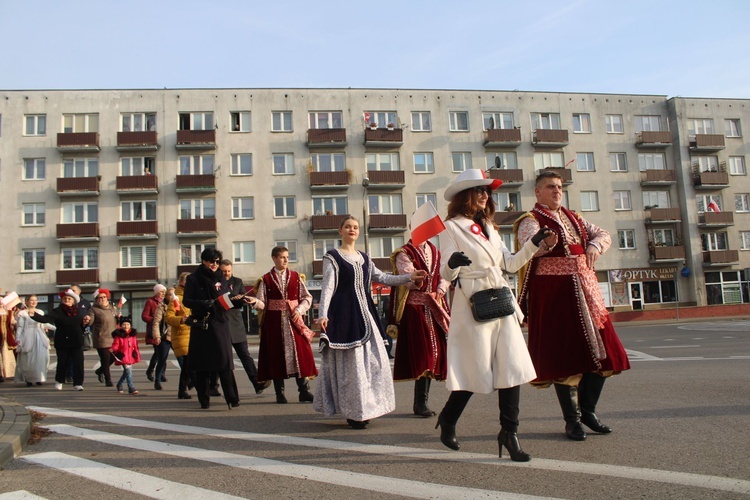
{"points": [[15, 430]]}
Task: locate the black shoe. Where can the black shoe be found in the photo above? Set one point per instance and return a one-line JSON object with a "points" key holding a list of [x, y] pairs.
{"points": [[574, 431], [591, 421], [29, 384], [233, 404], [184, 395], [357, 424], [163, 378], [447, 434], [150, 376], [214, 392], [100, 375], [38, 383], [306, 397], [205, 406], [510, 441], [281, 399], [108, 383], [260, 387], [157, 386]]}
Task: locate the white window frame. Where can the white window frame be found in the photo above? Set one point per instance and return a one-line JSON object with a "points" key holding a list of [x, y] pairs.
{"points": [[545, 121], [385, 204], [700, 126], [423, 198], [500, 120], [589, 201], [429, 163], [89, 167], [336, 162], [508, 160], [80, 122], [737, 165], [242, 164], [507, 201], [137, 122], [614, 124], [652, 161], [623, 201], [193, 253], [281, 121], [664, 236], [35, 125], [89, 212], [287, 159], [196, 164], [703, 200], [382, 247], [291, 246], [647, 123], [330, 203], [288, 204], [138, 206], [36, 211], [240, 122], [458, 121], [626, 239], [196, 120], [745, 241], [243, 208], [383, 118], [656, 199], [546, 159], [732, 127], [706, 163], [585, 162], [713, 242], [418, 122], [198, 208], [376, 161], [147, 256], [36, 165], [243, 252], [136, 165], [326, 118], [618, 162], [37, 257], [320, 247], [86, 254], [460, 161], [742, 203], [581, 123]]}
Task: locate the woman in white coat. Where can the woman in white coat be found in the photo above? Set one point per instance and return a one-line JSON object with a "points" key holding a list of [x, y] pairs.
{"points": [[482, 356]]}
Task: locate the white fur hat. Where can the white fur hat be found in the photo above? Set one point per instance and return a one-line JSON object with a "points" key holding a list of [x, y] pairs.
{"points": [[70, 293], [159, 288], [468, 179]]}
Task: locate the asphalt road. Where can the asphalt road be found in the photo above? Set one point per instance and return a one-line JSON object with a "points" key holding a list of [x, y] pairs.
{"points": [[681, 419]]}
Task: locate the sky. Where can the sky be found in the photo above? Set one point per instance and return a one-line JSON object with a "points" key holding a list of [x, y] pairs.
{"points": [[682, 48]]}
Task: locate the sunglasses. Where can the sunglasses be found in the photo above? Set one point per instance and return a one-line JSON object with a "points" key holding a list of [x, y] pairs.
{"points": [[482, 189]]}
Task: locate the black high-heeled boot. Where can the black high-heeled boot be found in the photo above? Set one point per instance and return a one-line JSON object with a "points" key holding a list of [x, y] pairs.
{"points": [[589, 390], [448, 418], [510, 441], [447, 433], [568, 398]]}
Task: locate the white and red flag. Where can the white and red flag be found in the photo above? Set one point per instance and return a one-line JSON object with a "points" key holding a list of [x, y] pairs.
{"points": [[713, 207], [121, 302], [425, 223], [225, 301], [367, 119], [95, 294], [175, 302]]}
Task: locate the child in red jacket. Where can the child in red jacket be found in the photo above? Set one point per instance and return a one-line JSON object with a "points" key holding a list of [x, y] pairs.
{"points": [[126, 353]]}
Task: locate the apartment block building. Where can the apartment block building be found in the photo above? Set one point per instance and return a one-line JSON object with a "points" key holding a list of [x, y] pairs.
{"points": [[124, 188]]}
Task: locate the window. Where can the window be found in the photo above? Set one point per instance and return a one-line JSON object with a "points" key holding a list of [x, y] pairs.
{"points": [[325, 119], [240, 121], [461, 161], [320, 247], [242, 164], [423, 163], [507, 161], [544, 160], [243, 208], [714, 241], [197, 121], [618, 162], [505, 201], [706, 163], [423, 198], [565, 201], [737, 165], [284, 206], [744, 240], [700, 126], [458, 121], [79, 212], [585, 162], [33, 259], [244, 252], [34, 169], [497, 120], [137, 122], [281, 121], [385, 204], [420, 121], [80, 258], [656, 292], [510, 244], [655, 199], [626, 239], [723, 288], [198, 209], [139, 256], [613, 124], [35, 125], [197, 165], [80, 167], [290, 245], [34, 214], [549, 121], [648, 123], [742, 203], [137, 210], [137, 166], [732, 127], [191, 254], [581, 123], [622, 200], [704, 200], [383, 247], [382, 118], [329, 205], [80, 122], [589, 201], [329, 162], [382, 161], [283, 163], [663, 237], [651, 161]]}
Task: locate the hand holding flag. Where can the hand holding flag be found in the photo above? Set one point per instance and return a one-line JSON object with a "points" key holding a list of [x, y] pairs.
{"points": [[121, 302]]}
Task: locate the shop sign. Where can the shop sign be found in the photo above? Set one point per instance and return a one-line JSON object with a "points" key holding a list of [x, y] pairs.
{"points": [[642, 274]]}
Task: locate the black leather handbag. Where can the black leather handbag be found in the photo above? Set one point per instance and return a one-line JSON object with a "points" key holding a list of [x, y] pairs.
{"points": [[492, 303]]}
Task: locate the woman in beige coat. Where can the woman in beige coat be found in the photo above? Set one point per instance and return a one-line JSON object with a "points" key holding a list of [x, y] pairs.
{"points": [[103, 322]]}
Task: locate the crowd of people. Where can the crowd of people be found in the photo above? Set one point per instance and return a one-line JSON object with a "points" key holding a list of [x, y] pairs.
{"points": [[444, 332]]}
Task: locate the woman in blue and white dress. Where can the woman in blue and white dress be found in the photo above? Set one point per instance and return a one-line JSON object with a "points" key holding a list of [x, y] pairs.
{"points": [[33, 346], [355, 378]]}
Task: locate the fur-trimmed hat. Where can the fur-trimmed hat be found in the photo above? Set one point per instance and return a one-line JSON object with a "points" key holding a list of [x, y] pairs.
{"points": [[468, 179], [125, 319], [70, 293], [159, 288]]}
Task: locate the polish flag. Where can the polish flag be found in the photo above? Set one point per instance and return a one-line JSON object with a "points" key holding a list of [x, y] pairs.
{"points": [[367, 119], [121, 302], [225, 301], [175, 302], [713, 207], [425, 223]]}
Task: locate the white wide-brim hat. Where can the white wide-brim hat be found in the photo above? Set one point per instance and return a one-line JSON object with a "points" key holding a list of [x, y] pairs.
{"points": [[468, 179]]}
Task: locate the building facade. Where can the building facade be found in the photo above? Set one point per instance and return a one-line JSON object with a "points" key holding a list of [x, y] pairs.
{"points": [[124, 188]]}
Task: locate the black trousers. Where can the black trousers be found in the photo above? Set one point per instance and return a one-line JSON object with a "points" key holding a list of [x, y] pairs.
{"points": [[161, 352], [105, 357], [70, 357], [247, 361], [508, 402], [228, 386]]}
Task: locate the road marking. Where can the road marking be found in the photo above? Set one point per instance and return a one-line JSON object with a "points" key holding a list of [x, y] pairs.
{"points": [[369, 482], [640, 356], [134, 482], [20, 495], [661, 476], [671, 346]]}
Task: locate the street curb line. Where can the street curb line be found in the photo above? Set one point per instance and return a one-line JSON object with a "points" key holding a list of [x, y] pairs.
{"points": [[15, 430]]}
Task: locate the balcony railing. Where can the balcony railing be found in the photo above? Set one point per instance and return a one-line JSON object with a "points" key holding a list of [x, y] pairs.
{"points": [[325, 223], [663, 215], [137, 141], [658, 177], [196, 227], [137, 184], [554, 138], [317, 268], [510, 177], [186, 268], [711, 180], [387, 222], [653, 139], [329, 180], [137, 274], [502, 137], [720, 257], [707, 142], [716, 219], [383, 137], [565, 173], [196, 139], [67, 277], [78, 231], [506, 219], [195, 183], [383, 263], [326, 137], [81, 142], [674, 253], [138, 229], [386, 179], [78, 186]]}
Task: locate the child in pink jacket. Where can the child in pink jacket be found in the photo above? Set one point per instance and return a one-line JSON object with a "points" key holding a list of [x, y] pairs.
{"points": [[126, 353]]}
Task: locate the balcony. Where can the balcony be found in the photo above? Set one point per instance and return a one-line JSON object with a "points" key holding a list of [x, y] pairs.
{"points": [[196, 228], [511, 177], [330, 180], [137, 141], [710, 180], [130, 276], [137, 184], [502, 138], [186, 268], [662, 215], [82, 277], [386, 179], [720, 258], [661, 254], [78, 186], [326, 138], [383, 263], [78, 231], [317, 268], [549, 138], [506, 219], [653, 139], [78, 142], [384, 137], [715, 219], [707, 142], [325, 223], [658, 178], [382, 223], [205, 183], [193, 140], [141, 229], [565, 173]]}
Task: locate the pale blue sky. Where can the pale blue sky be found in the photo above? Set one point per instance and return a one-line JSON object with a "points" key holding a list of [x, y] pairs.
{"points": [[677, 48]]}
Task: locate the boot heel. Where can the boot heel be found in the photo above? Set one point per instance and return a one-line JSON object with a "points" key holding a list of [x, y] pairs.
{"points": [[447, 434], [510, 441]]}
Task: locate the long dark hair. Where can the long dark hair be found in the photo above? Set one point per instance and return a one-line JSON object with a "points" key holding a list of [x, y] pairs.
{"points": [[464, 204]]}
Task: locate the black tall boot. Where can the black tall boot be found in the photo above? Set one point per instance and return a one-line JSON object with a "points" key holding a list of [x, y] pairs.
{"points": [[508, 401], [278, 386], [448, 418], [305, 396], [421, 394], [568, 398], [589, 390]]}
